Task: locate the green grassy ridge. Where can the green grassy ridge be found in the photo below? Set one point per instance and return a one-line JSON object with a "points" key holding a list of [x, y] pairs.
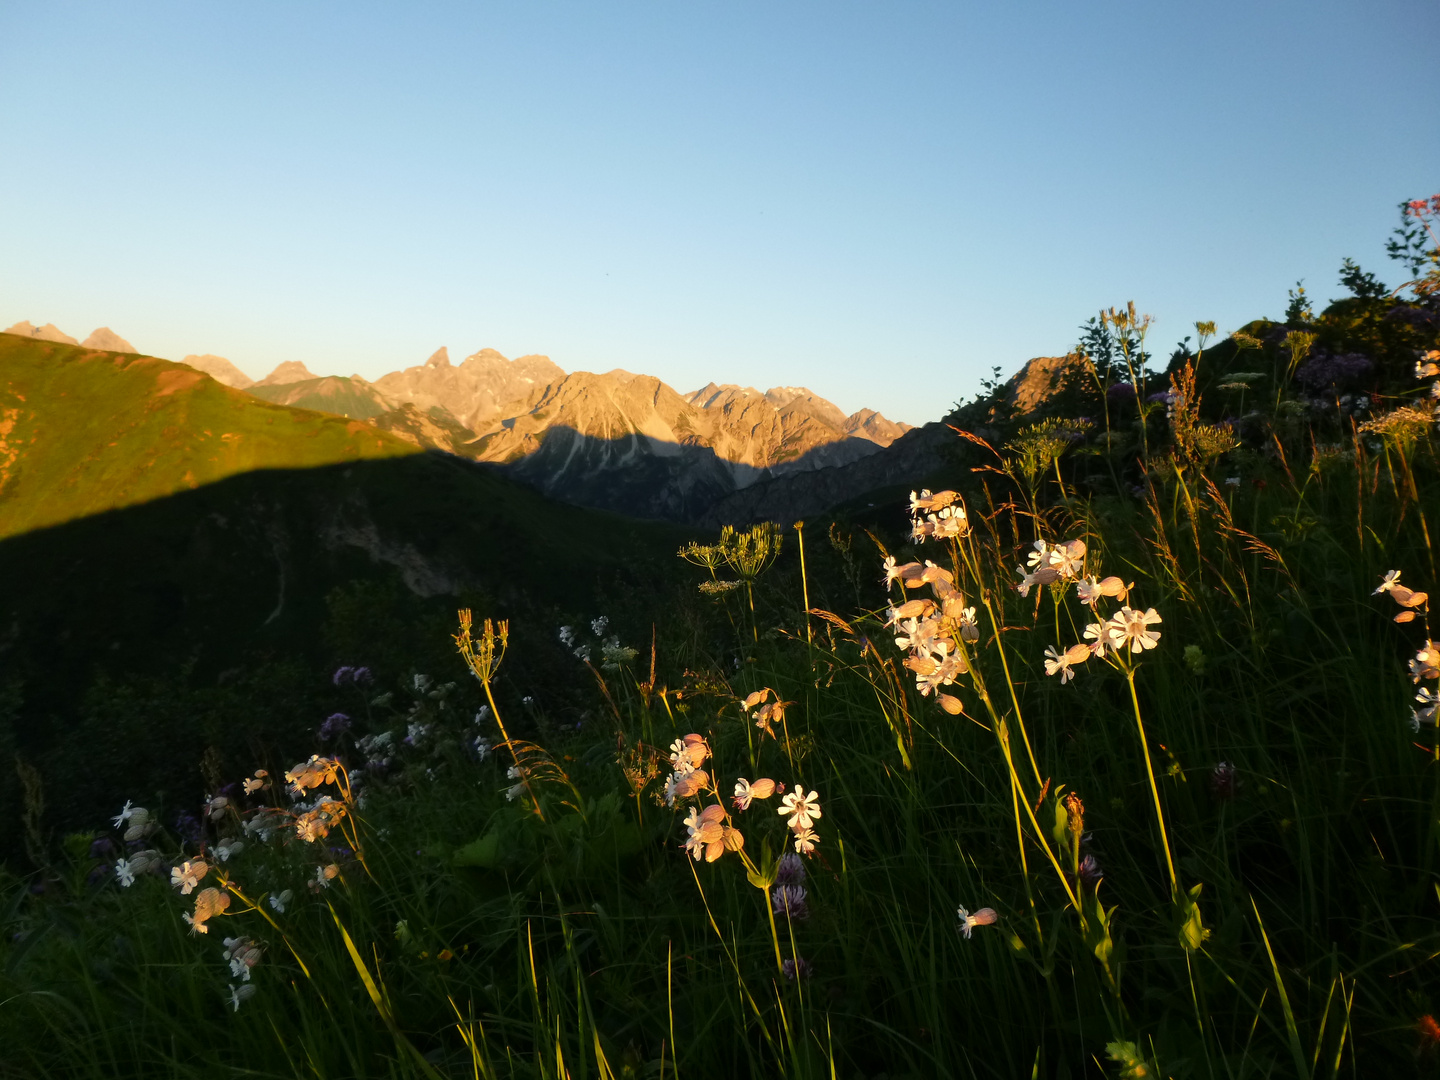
{"points": [[84, 431], [334, 394]]}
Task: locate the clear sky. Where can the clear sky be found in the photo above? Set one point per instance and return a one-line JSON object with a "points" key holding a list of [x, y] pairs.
{"points": [[877, 200]]}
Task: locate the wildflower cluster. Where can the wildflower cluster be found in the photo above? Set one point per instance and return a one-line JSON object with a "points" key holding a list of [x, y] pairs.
{"points": [[602, 642], [939, 516], [1425, 665]]}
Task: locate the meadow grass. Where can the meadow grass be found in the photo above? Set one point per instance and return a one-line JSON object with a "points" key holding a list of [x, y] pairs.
{"points": [[564, 931], [1121, 760]]}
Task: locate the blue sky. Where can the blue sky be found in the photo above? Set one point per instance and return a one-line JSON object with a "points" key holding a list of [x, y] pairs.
{"points": [[880, 201]]}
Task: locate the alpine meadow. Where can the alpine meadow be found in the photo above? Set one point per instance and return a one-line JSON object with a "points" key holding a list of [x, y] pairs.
{"points": [[1089, 732]]}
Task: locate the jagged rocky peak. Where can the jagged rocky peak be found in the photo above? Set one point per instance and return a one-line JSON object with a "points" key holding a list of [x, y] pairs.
{"points": [[48, 332], [482, 386], [219, 369], [440, 358], [107, 340], [288, 372]]}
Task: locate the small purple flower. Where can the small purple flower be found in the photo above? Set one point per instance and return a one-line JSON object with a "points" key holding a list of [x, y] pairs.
{"points": [[789, 900], [363, 677], [791, 967], [1120, 391], [791, 870], [188, 828], [1162, 398], [102, 848], [99, 875], [343, 676], [1090, 872], [1223, 781], [335, 725]]}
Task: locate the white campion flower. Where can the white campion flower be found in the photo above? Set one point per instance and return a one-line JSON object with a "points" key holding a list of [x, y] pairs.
{"points": [[803, 808], [1132, 628], [126, 812], [1061, 663], [240, 994], [125, 873], [746, 792], [984, 917], [1392, 578], [805, 841], [187, 875], [1101, 637], [279, 902], [229, 847], [1040, 556], [1088, 590]]}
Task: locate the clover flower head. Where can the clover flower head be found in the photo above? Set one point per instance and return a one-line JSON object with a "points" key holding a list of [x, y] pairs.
{"points": [[795, 968], [791, 869], [789, 900]]}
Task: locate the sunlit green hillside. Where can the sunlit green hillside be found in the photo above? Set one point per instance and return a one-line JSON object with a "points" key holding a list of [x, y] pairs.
{"points": [[83, 431]]}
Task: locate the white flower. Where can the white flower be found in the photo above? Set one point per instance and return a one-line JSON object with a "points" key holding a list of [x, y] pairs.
{"points": [[1131, 627], [1061, 662], [324, 875], [1088, 590], [600, 625], [187, 875], [1232, 481], [125, 814], [279, 902], [1039, 557], [1392, 578], [803, 808], [124, 872], [243, 992], [228, 847], [422, 683], [805, 841], [513, 793], [984, 917], [746, 792]]}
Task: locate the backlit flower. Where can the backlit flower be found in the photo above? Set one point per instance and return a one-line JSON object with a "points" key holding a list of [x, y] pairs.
{"points": [[1392, 578], [984, 917], [1101, 637], [1087, 589], [805, 841], [187, 875], [1132, 628], [1061, 662], [745, 791], [1426, 664], [706, 829], [803, 808], [208, 904]]}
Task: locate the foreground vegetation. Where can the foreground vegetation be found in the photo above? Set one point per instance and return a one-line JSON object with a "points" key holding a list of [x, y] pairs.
{"points": [[1118, 759]]}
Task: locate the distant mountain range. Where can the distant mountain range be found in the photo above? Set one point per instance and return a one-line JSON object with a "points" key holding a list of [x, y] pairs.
{"points": [[616, 440]]}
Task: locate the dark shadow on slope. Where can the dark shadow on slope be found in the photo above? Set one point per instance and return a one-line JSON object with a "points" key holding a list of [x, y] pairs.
{"points": [[651, 478], [212, 584]]}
